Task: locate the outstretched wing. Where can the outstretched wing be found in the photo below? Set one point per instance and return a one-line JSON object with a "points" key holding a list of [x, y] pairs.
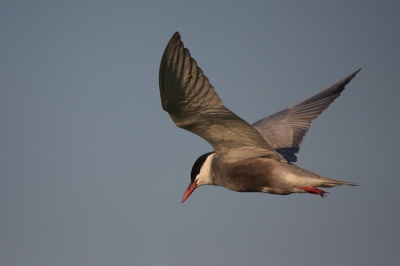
{"points": [[285, 130], [193, 104]]}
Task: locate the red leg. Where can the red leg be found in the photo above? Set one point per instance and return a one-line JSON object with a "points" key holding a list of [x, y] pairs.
{"points": [[314, 190]]}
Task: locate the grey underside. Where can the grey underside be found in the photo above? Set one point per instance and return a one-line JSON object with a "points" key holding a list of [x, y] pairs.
{"points": [[259, 174]]}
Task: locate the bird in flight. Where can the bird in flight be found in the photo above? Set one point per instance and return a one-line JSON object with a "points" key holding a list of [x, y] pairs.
{"points": [[246, 158]]}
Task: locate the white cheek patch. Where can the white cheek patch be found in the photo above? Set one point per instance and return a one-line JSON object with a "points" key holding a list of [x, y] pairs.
{"points": [[204, 177]]}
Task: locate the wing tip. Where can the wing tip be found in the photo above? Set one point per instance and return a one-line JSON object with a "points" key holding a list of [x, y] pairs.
{"points": [[355, 73], [174, 39], [344, 82]]}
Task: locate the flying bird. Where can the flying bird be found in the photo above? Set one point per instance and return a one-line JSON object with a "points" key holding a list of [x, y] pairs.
{"points": [[246, 158]]}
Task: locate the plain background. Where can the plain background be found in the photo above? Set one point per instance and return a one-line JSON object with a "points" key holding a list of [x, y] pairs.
{"points": [[92, 170]]}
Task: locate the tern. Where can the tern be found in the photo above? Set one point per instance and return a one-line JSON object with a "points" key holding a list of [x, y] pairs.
{"points": [[246, 158]]}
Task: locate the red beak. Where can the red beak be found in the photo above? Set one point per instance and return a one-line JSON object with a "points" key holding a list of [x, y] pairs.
{"points": [[189, 190]]}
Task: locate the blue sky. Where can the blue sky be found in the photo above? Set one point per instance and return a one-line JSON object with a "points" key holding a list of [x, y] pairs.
{"points": [[92, 170]]}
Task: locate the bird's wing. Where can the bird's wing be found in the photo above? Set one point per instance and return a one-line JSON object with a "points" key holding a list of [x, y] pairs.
{"points": [[193, 104], [285, 130]]}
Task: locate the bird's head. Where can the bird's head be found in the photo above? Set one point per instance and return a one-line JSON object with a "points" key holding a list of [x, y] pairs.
{"points": [[201, 173]]}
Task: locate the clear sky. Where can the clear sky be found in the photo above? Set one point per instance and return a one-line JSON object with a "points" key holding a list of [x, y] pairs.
{"points": [[92, 170]]}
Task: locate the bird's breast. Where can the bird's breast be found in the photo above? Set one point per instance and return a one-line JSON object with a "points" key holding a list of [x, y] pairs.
{"points": [[251, 175]]}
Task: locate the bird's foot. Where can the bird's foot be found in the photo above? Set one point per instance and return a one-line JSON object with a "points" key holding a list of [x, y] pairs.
{"points": [[314, 190]]}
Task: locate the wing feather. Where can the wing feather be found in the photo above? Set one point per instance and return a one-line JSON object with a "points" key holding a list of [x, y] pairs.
{"points": [[285, 130], [192, 103]]}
